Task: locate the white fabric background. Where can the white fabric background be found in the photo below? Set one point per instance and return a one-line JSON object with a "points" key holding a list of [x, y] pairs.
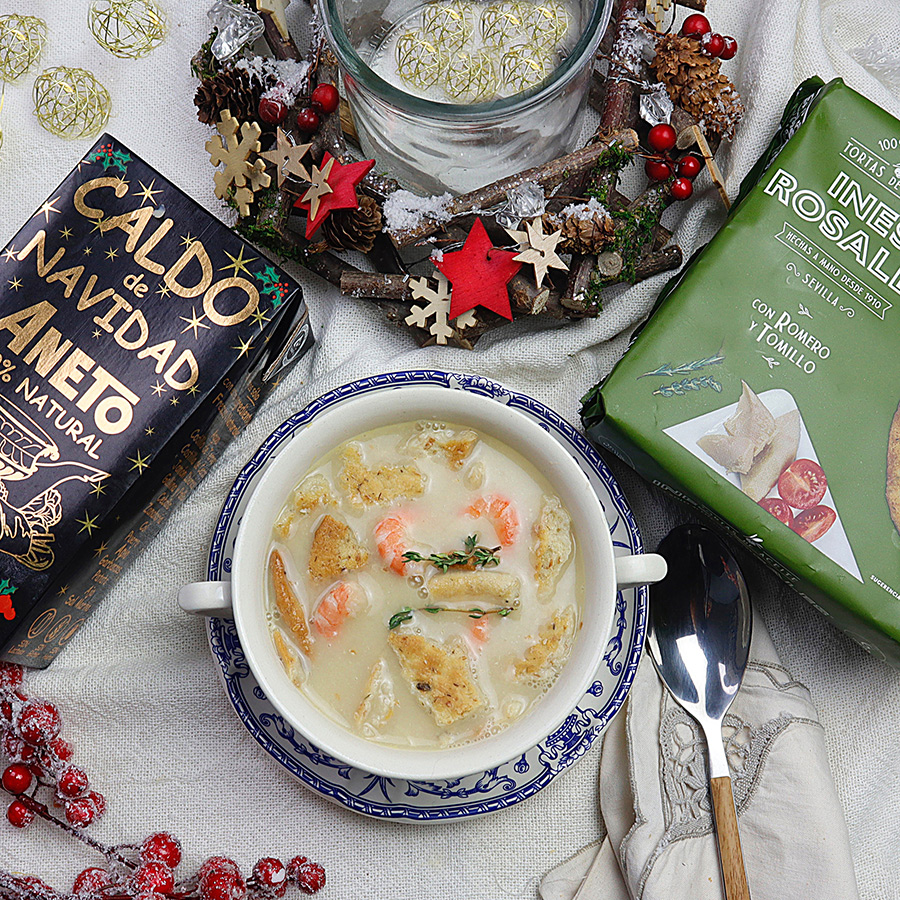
{"points": [[138, 690]]}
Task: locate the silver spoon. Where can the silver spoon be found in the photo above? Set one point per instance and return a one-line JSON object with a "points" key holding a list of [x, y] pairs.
{"points": [[699, 639]]}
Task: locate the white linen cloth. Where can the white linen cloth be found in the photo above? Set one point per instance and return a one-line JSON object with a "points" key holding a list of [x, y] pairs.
{"points": [[654, 798], [139, 693]]}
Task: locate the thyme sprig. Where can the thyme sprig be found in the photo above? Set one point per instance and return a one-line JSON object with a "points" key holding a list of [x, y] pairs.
{"points": [[473, 612], [474, 556]]}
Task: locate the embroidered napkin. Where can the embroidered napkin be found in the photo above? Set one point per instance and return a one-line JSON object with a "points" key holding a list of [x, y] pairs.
{"points": [[659, 842]]}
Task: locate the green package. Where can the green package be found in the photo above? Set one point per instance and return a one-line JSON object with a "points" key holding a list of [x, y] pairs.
{"points": [[765, 385]]}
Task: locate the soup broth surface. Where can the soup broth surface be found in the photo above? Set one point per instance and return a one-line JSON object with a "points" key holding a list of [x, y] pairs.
{"points": [[443, 677]]}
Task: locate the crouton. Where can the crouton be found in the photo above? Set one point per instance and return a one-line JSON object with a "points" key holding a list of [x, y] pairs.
{"points": [[553, 544], [335, 549], [454, 446], [451, 585], [377, 705], [288, 603], [381, 485], [311, 493], [440, 678], [546, 656]]}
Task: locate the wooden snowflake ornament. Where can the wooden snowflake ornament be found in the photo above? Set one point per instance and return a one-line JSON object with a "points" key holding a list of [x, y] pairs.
{"points": [[287, 158], [226, 147], [437, 308], [538, 249], [333, 187]]}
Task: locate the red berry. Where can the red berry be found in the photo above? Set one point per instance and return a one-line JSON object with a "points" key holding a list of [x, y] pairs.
{"points": [[222, 886], [6, 711], [270, 874], [164, 847], [308, 120], [38, 722], [217, 865], [98, 801], [713, 44], [681, 188], [311, 878], [72, 782], [325, 98], [658, 169], [10, 676], [19, 814], [15, 748], [80, 812], [729, 49], [272, 111], [153, 875], [62, 749], [696, 24], [91, 880], [662, 137], [17, 779], [689, 166]]}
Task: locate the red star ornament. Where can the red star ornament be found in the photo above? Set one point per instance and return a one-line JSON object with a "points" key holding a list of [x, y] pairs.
{"points": [[479, 274], [342, 179]]}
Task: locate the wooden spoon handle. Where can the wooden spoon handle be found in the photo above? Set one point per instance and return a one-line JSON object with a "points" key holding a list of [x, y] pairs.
{"points": [[733, 873]]}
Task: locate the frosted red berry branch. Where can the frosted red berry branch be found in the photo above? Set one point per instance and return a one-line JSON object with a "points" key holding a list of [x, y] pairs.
{"points": [[39, 760]]}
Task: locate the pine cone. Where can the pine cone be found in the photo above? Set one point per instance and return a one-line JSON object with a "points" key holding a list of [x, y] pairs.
{"points": [[694, 81], [353, 229], [582, 232], [231, 88]]}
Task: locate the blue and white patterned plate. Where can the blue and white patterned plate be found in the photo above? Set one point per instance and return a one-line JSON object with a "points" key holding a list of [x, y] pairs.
{"points": [[420, 801]]}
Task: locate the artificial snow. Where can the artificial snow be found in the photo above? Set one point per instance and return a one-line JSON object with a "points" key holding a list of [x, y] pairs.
{"points": [[585, 211], [285, 78], [405, 211]]}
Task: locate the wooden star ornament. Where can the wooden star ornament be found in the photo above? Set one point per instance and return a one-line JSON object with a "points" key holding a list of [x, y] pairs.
{"points": [[333, 187], [540, 250], [479, 274], [287, 157]]}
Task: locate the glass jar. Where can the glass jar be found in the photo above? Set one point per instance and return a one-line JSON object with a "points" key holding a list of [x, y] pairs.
{"points": [[432, 145]]}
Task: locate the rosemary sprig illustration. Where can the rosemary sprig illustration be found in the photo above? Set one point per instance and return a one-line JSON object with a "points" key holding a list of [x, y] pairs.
{"points": [[473, 612], [473, 556], [669, 371], [680, 388]]}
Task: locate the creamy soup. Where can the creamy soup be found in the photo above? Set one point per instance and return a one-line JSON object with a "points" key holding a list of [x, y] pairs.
{"points": [[424, 585]]}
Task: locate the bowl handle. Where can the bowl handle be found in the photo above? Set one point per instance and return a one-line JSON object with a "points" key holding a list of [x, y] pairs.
{"points": [[207, 598], [645, 568]]}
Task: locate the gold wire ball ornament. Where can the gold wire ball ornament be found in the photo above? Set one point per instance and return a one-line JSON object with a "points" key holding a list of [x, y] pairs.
{"points": [[502, 24], [449, 25], [546, 24], [127, 28], [419, 62], [523, 68], [471, 77], [70, 103], [22, 40]]}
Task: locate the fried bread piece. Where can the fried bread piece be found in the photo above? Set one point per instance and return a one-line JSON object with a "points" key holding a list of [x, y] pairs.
{"points": [[311, 493], [441, 678], [288, 603], [455, 446], [553, 544], [464, 583], [549, 652], [380, 485], [377, 705], [335, 549]]}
